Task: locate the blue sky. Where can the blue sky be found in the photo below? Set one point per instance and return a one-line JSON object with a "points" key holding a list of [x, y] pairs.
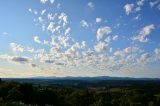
{"points": [[79, 38]]}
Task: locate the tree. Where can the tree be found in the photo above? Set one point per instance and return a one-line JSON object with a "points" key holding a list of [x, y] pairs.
{"points": [[14, 94]]}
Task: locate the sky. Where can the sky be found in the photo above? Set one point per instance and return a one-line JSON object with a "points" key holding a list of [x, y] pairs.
{"points": [[46, 38]]}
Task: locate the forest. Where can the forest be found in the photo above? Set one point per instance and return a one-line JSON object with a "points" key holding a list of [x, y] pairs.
{"points": [[28, 94]]}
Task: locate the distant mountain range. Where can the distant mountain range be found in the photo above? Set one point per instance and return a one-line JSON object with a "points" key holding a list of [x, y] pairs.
{"points": [[86, 78]]}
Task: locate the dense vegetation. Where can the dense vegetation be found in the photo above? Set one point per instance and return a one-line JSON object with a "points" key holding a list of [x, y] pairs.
{"points": [[24, 94]]}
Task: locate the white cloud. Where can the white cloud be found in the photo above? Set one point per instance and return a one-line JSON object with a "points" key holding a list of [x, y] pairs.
{"points": [[5, 57], [64, 41], [63, 17], [84, 24], [144, 32], [51, 1], [67, 31], [137, 17], [50, 16], [30, 49], [73, 50], [5, 33], [157, 51], [153, 3], [144, 57], [35, 12], [131, 49], [91, 5], [51, 27], [157, 54], [128, 8], [101, 46], [43, 1], [83, 44], [58, 5], [16, 48], [140, 2], [98, 20], [127, 51], [108, 39], [36, 39], [43, 11], [30, 10], [115, 37], [119, 53], [45, 42], [40, 20], [103, 31]]}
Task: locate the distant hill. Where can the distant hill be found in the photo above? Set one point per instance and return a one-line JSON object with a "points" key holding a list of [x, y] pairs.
{"points": [[83, 78]]}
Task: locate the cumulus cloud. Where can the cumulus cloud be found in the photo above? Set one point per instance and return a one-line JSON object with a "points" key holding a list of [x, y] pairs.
{"points": [[5, 57], [137, 17], [98, 20], [51, 1], [63, 17], [119, 53], [157, 51], [90, 5], [126, 51], [144, 32], [67, 31], [115, 37], [43, 1], [43, 11], [16, 47], [101, 46], [140, 2], [64, 41], [84, 24], [51, 27], [128, 8], [50, 16], [63, 50], [36, 39], [103, 31], [144, 57], [153, 3]]}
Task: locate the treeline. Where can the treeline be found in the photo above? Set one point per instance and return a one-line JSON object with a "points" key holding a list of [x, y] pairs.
{"points": [[24, 94]]}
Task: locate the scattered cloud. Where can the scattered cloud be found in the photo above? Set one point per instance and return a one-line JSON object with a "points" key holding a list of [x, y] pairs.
{"points": [[115, 37], [84, 24], [103, 31], [98, 53], [90, 5], [128, 8], [43, 1], [63, 17], [144, 32], [153, 3], [36, 39], [101, 46], [137, 17], [98, 20], [51, 1], [16, 47], [43, 11]]}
